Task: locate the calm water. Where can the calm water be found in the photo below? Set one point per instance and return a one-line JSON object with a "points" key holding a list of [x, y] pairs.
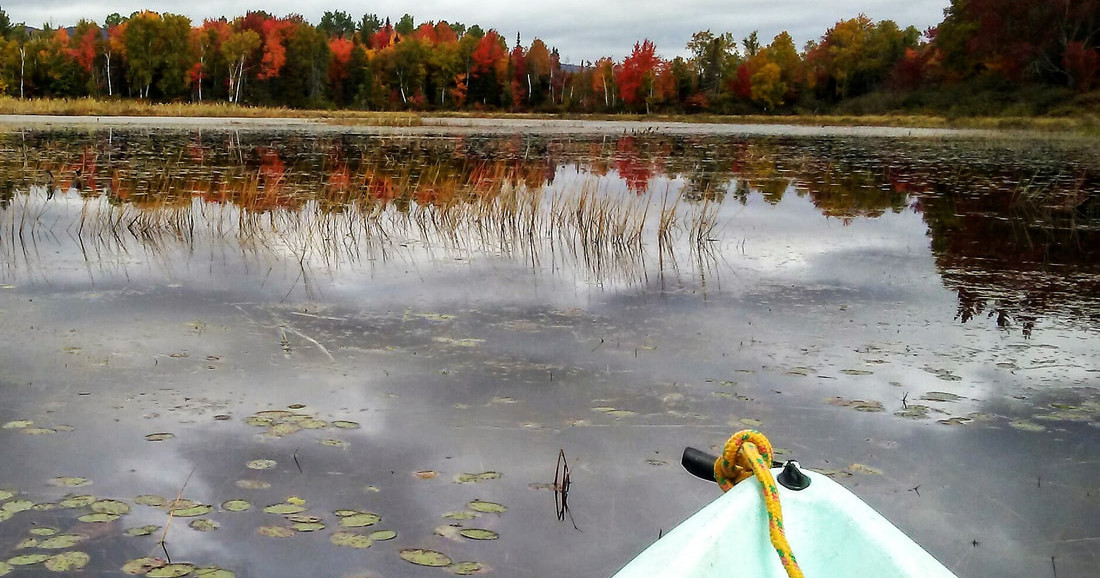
{"points": [[917, 317]]}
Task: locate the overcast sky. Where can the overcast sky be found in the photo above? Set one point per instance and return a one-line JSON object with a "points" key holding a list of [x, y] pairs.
{"points": [[579, 29]]}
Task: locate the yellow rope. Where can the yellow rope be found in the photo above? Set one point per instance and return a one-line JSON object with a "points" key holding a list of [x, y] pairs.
{"points": [[747, 453]]}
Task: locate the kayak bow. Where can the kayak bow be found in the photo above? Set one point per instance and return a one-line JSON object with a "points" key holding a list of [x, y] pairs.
{"points": [[831, 531]]}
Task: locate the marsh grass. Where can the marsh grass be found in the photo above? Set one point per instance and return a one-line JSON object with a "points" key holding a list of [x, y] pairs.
{"points": [[368, 214], [128, 107]]}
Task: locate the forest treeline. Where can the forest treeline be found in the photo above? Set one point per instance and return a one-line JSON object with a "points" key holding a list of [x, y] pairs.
{"points": [[986, 57]]}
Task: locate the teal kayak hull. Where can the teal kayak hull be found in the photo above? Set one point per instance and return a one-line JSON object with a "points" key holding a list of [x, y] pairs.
{"points": [[832, 533]]}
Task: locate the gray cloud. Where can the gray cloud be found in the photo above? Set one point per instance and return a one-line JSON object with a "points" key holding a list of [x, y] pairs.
{"points": [[579, 29]]}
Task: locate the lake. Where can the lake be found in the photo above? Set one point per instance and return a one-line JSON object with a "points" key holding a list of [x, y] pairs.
{"points": [[360, 351]]}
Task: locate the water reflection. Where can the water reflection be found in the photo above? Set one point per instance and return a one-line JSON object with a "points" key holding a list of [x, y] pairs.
{"points": [[1014, 231]]}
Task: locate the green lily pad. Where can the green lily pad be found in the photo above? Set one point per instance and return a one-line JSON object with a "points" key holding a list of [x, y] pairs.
{"points": [[334, 443], [307, 526], [252, 484], [487, 507], [16, 506], [475, 478], [67, 561], [345, 424], [27, 543], [141, 531], [139, 566], [941, 396], [46, 506], [383, 535], [955, 421], [236, 505], [18, 424], [110, 507], [275, 531], [478, 534], [171, 571], [214, 572], [460, 515], [913, 412], [151, 500], [5, 515], [78, 501], [192, 511], [42, 531], [27, 559], [285, 429], [360, 519], [7, 494], [313, 424], [350, 540], [204, 525], [38, 431], [466, 568], [6, 568], [70, 481], [98, 518], [61, 541], [1025, 425], [284, 508], [422, 557], [159, 437], [259, 421], [261, 464]]}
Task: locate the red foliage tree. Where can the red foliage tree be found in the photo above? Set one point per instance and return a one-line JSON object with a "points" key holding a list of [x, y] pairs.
{"points": [[636, 72]]}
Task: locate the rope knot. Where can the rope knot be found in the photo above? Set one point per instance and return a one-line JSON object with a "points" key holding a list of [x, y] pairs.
{"points": [[736, 462]]}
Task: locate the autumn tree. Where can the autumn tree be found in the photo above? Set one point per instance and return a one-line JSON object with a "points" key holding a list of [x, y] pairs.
{"points": [[236, 50], [540, 72], [715, 58], [339, 59], [489, 66], [368, 26], [635, 76]]}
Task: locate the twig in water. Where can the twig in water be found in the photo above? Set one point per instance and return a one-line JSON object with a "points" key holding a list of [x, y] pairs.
{"points": [[562, 481], [295, 456], [171, 515]]}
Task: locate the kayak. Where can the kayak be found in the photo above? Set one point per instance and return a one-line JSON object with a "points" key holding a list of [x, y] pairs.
{"points": [[831, 532]]}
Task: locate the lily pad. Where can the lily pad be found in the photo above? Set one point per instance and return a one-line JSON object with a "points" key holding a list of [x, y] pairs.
{"points": [[139, 566], [307, 526], [334, 443], [110, 507], [422, 557], [252, 484], [27, 559], [360, 519], [141, 530], [345, 424], [151, 500], [213, 572], [61, 541], [383, 535], [350, 540], [7, 494], [313, 424], [284, 508], [6, 568], [204, 525], [18, 424], [261, 464], [78, 501], [236, 505], [16, 506], [38, 431], [285, 429], [1025, 425], [276, 531], [42, 531], [466, 568], [474, 478], [955, 421], [426, 474], [460, 515], [159, 437], [70, 481], [67, 561], [487, 507], [478, 534], [913, 412], [171, 571], [193, 511], [864, 469], [942, 396], [856, 372]]}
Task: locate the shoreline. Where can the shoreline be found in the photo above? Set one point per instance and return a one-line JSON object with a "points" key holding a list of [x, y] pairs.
{"points": [[479, 125]]}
